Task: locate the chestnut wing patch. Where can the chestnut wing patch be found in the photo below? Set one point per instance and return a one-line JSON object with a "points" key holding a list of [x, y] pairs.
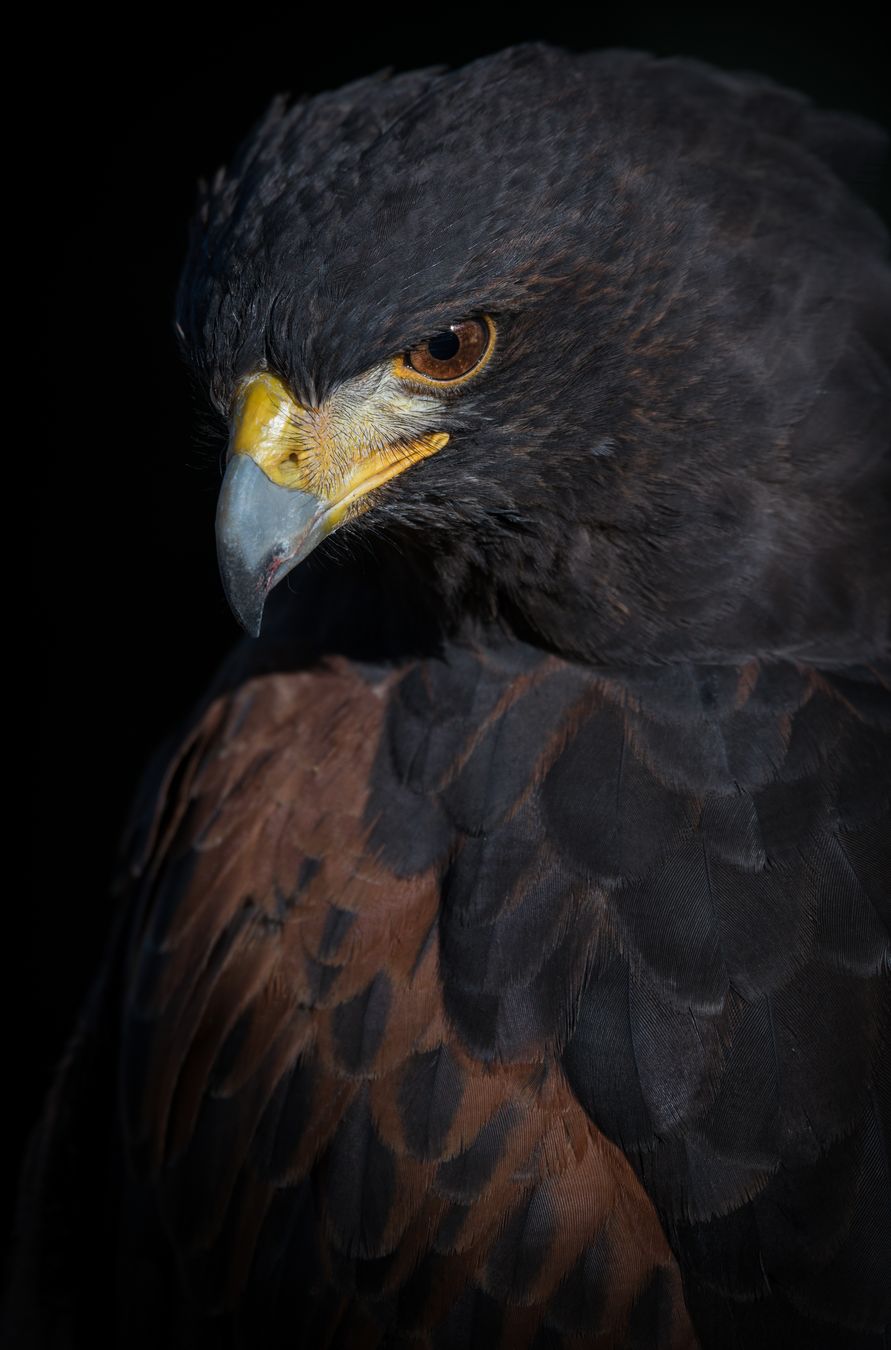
{"points": [[353, 1118]]}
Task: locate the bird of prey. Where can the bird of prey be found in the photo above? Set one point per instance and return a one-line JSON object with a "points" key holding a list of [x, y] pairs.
{"points": [[504, 955]]}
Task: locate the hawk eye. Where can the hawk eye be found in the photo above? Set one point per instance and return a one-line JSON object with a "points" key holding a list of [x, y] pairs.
{"points": [[452, 353]]}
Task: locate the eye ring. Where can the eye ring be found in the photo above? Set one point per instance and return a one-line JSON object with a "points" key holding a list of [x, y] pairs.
{"points": [[450, 356]]}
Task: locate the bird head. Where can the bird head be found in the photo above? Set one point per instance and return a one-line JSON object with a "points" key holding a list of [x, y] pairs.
{"points": [[598, 339]]}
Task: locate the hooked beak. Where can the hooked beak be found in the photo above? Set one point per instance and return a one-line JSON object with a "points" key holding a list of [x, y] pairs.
{"points": [[263, 531], [294, 475]]}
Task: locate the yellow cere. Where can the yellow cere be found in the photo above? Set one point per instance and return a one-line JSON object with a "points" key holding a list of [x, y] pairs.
{"points": [[264, 427], [361, 437]]}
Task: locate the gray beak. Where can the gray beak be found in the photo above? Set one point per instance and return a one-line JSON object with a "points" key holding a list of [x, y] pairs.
{"points": [[263, 531]]}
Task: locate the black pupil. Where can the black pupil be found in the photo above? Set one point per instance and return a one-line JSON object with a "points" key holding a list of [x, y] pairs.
{"points": [[444, 346]]}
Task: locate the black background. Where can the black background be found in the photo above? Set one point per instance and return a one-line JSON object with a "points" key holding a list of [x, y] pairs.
{"points": [[128, 616]]}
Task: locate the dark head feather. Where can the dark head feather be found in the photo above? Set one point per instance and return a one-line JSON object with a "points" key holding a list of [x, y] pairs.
{"points": [[680, 446]]}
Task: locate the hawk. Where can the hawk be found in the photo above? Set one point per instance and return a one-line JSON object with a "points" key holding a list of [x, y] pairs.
{"points": [[504, 954]]}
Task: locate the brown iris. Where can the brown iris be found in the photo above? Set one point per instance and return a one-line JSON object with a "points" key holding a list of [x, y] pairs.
{"points": [[452, 353]]}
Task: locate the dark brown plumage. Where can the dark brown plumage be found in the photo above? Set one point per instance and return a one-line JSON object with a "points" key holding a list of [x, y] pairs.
{"points": [[317, 1051], [505, 953]]}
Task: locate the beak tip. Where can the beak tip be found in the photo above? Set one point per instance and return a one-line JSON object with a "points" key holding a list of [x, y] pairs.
{"points": [[246, 602]]}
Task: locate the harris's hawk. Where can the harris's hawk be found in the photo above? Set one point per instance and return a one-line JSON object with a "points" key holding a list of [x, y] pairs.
{"points": [[505, 955]]}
